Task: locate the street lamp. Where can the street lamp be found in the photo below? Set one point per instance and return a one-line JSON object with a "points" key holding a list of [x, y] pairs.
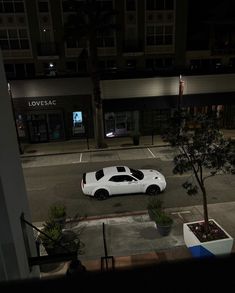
{"points": [[14, 117]]}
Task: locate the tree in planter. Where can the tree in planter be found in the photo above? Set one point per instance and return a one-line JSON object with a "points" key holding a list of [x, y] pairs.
{"points": [[87, 22], [204, 152]]}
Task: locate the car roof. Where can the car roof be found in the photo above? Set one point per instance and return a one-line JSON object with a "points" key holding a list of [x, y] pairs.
{"points": [[116, 170]]}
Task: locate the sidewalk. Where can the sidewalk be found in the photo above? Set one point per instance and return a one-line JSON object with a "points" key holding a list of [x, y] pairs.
{"points": [[84, 145], [133, 240]]}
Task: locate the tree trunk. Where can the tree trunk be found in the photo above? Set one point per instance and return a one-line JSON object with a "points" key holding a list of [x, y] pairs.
{"points": [[97, 101], [205, 210]]}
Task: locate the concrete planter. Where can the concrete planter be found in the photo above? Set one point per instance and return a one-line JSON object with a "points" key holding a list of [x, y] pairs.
{"points": [[209, 248]]}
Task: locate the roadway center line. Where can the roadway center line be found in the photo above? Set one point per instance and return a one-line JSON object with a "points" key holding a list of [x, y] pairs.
{"points": [[151, 153], [80, 157]]}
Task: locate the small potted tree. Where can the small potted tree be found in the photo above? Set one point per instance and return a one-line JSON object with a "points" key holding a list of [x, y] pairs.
{"points": [[60, 240], [203, 153], [57, 213], [159, 215]]}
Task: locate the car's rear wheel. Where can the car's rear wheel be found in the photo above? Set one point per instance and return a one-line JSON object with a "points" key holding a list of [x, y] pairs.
{"points": [[101, 194], [153, 190]]}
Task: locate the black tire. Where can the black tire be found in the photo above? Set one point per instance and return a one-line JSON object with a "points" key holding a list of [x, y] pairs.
{"points": [[153, 190], [101, 194]]}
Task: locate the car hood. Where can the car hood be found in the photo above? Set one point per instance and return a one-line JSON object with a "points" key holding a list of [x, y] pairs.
{"points": [[151, 174]]}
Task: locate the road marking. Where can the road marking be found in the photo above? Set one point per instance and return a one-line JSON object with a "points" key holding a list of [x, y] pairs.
{"points": [[181, 212], [80, 157], [151, 153], [36, 189]]}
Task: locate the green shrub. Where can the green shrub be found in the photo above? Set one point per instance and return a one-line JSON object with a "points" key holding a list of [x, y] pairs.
{"points": [[157, 212], [162, 218], [154, 204], [57, 211], [54, 231]]}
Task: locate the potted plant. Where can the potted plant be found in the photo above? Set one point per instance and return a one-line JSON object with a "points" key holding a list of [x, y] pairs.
{"points": [[55, 238], [158, 214], [57, 213], [203, 153]]}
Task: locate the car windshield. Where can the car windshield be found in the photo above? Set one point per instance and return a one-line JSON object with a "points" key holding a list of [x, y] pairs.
{"points": [[99, 174], [137, 173]]}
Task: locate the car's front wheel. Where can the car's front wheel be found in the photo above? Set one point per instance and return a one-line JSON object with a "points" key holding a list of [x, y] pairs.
{"points": [[101, 194], [153, 190]]}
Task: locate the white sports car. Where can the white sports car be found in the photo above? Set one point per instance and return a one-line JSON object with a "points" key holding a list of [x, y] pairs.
{"points": [[122, 180]]}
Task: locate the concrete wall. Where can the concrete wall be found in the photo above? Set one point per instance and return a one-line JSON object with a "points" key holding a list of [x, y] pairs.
{"points": [[13, 197]]}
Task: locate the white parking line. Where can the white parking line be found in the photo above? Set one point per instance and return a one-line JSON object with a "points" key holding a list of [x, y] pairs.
{"points": [[181, 212], [80, 157], [151, 153]]}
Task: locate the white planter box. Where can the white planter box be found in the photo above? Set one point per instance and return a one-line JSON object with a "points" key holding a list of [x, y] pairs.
{"points": [[209, 248]]}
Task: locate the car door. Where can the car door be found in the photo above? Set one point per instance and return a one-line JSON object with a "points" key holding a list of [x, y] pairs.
{"points": [[123, 184]]}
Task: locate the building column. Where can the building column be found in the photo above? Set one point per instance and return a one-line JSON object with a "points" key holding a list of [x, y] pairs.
{"points": [[14, 251]]}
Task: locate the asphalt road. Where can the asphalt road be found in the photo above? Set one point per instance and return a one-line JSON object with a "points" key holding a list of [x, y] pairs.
{"points": [[61, 183]]}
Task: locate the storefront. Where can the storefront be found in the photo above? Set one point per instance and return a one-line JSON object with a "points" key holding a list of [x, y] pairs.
{"points": [[47, 118], [57, 109]]}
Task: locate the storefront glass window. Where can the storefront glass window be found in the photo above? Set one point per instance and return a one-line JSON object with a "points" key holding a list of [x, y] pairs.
{"points": [[20, 126], [118, 123], [78, 124], [55, 126]]}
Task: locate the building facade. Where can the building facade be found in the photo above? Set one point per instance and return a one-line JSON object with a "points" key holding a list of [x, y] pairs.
{"points": [[48, 73], [61, 108]]}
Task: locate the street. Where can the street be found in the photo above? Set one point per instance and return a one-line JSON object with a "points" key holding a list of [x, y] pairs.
{"points": [[61, 183]]}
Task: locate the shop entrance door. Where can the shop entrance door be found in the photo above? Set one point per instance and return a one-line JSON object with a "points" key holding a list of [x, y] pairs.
{"points": [[38, 130]]}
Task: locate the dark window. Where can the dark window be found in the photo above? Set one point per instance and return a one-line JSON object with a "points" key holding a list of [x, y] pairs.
{"points": [[71, 66], [128, 178], [14, 44], [159, 4], [122, 178], [137, 173], [19, 7], [10, 70], [4, 44], [20, 70], [150, 4], [149, 63], [30, 69], [24, 44], [115, 179], [71, 43], [168, 40], [8, 7], [121, 169], [169, 4], [150, 40], [130, 5], [99, 174], [43, 6]]}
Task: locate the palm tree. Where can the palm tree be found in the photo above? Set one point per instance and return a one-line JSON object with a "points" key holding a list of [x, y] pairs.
{"points": [[87, 22]]}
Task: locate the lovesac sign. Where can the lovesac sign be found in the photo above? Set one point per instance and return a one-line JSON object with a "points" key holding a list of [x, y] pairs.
{"points": [[41, 103]]}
